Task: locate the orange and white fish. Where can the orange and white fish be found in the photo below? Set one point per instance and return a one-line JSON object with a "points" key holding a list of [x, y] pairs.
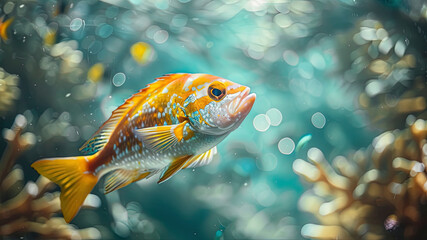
{"points": [[172, 124]]}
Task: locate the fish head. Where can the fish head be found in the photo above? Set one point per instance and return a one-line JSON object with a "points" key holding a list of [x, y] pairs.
{"points": [[216, 106]]}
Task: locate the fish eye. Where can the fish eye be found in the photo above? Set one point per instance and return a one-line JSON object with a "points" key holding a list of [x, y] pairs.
{"points": [[216, 91]]}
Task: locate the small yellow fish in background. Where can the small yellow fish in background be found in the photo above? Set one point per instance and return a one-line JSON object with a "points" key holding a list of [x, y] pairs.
{"points": [[49, 38], [172, 124], [4, 25]]}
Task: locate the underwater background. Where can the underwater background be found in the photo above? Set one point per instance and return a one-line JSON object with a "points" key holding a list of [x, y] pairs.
{"points": [[334, 147]]}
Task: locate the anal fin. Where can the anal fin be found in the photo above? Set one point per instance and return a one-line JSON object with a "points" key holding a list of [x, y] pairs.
{"points": [[176, 165], [122, 177], [201, 159]]}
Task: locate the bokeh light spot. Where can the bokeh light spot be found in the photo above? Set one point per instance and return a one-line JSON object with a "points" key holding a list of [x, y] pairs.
{"points": [[268, 162], [141, 52], [261, 122], [104, 30], [76, 24], [111, 12], [8, 7], [162, 4], [135, 2], [119, 79], [385, 45], [275, 116], [373, 88], [282, 20], [266, 197], [291, 57], [302, 7], [317, 60], [305, 70], [96, 72], [179, 20], [161, 36], [318, 120], [400, 48], [286, 146]]}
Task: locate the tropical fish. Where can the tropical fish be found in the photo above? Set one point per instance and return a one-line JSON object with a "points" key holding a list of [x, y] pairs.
{"points": [[174, 123]]}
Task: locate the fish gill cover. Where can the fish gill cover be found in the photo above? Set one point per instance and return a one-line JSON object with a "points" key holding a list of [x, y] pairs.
{"points": [[341, 102]]}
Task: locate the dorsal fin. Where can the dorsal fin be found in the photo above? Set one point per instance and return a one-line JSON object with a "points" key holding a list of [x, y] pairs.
{"points": [[101, 137]]}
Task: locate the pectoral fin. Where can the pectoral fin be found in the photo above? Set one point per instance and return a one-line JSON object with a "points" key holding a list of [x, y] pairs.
{"points": [[174, 167], [201, 159], [161, 137], [122, 177]]}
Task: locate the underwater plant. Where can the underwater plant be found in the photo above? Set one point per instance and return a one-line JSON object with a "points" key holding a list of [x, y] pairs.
{"points": [[29, 208], [375, 193]]}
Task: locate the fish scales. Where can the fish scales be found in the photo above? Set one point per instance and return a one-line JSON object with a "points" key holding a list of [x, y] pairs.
{"points": [[155, 110]]}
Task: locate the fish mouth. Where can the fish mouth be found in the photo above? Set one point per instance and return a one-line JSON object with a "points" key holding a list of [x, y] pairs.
{"points": [[242, 104]]}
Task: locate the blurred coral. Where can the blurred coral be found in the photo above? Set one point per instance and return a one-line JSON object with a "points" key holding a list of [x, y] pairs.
{"points": [[30, 208], [378, 193], [9, 91], [386, 66], [415, 9]]}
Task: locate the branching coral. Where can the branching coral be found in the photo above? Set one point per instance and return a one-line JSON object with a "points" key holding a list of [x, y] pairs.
{"points": [[29, 209], [377, 193]]}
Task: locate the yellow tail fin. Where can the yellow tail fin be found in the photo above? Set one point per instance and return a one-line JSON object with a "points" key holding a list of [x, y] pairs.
{"points": [[74, 178]]}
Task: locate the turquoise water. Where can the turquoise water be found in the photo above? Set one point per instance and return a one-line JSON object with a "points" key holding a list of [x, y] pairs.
{"points": [[328, 74]]}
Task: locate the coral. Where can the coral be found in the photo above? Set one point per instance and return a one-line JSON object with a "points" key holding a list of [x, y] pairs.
{"points": [[387, 69], [376, 193], [9, 90], [30, 209]]}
